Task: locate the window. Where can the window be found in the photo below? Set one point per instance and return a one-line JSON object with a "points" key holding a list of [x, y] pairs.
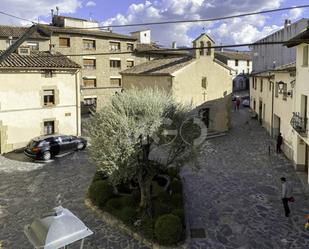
{"points": [[115, 63], [204, 82], [248, 63], [130, 46], [254, 104], [49, 127], [115, 81], [64, 42], [49, 97], [33, 45], [89, 82], [261, 85], [208, 48], [130, 64], [236, 63], [89, 63], [202, 48], [114, 46], [305, 56], [89, 44], [92, 102]]}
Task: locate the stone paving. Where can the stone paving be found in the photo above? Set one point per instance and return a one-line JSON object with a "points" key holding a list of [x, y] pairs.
{"points": [[28, 190], [235, 196]]}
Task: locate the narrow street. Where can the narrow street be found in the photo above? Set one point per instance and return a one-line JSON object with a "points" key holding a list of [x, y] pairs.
{"points": [[235, 197]]}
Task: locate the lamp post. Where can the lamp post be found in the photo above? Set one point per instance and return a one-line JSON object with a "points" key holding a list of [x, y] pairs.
{"points": [[281, 86]]}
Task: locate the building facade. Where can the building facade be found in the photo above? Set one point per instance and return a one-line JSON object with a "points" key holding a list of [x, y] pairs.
{"points": [[39, 95], [201, 80], [241, 62]]}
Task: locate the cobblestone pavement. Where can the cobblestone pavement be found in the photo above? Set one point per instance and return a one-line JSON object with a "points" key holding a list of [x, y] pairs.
{"points": [[32, 189], [235, 196]]}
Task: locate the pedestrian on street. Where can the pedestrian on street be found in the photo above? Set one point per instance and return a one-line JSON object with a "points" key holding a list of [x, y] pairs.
{"points": [[279, 142], [237, 103], [286, 195]]}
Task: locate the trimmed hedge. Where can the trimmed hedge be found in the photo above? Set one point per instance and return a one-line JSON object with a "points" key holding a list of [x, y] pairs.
{"points": [[99, 176], [99, 192], [163, 196], [128, 201], [168, 229], [114, 204], [128, 215], [181, 215], [160, 208]]}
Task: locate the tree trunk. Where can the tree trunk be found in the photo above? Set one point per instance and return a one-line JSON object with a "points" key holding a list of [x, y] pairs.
{"points": [[145, 202]]}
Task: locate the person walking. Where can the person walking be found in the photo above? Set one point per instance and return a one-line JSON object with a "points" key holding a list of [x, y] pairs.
{"points": [[279, 142], [286, 194], [237, 103]]}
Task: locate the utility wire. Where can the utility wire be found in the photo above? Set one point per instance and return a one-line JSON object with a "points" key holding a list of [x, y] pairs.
{"points": [[167, 50], [17, 17], [199, 20]]}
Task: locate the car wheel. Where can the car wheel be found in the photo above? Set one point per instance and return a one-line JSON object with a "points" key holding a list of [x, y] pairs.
{"points": [[80, 146], [46, 155]]}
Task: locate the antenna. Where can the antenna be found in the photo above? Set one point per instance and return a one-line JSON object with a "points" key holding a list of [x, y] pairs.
{"points": [[57, 10]]}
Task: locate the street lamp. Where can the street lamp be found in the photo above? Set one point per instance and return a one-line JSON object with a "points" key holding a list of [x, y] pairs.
{"points": [[281, 86]]}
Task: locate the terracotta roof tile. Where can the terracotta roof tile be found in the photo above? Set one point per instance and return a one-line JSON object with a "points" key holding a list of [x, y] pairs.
{"points": [[16, 32], [38, 60]]}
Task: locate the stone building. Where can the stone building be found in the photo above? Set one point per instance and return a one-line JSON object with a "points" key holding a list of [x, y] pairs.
{"points": [[39, 94], [241, 62], [200, 80]]}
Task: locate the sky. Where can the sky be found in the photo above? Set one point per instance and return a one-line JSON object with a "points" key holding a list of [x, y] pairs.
{"points": [[109, 12]]}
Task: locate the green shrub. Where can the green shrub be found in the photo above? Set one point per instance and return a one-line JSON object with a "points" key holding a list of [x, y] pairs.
{"points": [[179, 212], [136, 195], [168, 229], [124, 188], [128, 201], [159, 208], [176, 186], [177, 201], [99, 192], [147, 228], [99, 175], [128, 215], [163, 196], [156, 188], [114, 205], [173, 172]]}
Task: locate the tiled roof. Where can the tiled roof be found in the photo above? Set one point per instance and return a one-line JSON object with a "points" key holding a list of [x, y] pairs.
{"points": [[88, 32], [42, 60], [300, 38], [230, 55], [165, 66], [155, 49], [16, 32], [286, 67]]}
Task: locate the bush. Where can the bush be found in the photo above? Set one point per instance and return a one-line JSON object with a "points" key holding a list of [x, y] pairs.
{"points": [[124, 188], [156, 188], [179, 212], [163, 196], [177, 201], [99, 175], [128, 201], [128, 215], [173, 172], [147, 227], [176, 186], [114, 205], [159, 208], [99, 192], [168, 229]]}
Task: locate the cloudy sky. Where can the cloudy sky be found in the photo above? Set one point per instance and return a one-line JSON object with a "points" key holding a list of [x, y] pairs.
{"points": [[108, 12]]}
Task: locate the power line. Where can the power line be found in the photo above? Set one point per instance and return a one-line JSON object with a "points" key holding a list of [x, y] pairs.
{"points": [[199, 20], [167, 50], [17, 17]]}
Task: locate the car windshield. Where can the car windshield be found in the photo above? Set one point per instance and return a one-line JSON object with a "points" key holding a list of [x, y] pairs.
{"points": [[33, 143]]}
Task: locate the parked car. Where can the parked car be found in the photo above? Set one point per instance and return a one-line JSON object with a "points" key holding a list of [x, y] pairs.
{"points": [[46, 147], [246, 103]]}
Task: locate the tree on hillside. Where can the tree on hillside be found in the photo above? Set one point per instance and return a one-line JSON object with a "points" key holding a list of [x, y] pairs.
{"points": [[137, 134]]}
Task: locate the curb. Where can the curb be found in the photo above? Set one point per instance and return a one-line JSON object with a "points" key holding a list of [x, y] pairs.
{"points": [[112, 221]]}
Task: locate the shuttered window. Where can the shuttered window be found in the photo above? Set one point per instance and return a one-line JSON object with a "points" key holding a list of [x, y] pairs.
{"points": [[64, 42], [89, 63], [49, 97], [90, 83], [115, 81], [115, 63]]}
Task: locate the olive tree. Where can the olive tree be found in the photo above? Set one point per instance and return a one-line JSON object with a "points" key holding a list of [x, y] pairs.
{"points": [[136, 134]]}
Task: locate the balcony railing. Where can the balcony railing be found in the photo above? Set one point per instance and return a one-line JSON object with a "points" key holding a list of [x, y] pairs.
{"points": [[299, 123]]}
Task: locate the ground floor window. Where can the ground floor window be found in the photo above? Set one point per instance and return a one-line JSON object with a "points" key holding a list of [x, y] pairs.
{"points": [[49, 127]]}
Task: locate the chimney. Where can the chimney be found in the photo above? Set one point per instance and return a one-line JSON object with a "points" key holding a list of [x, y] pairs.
{"points": [[52, 13], [287, 23], [174, 45], [57, 10], [52, 49]]}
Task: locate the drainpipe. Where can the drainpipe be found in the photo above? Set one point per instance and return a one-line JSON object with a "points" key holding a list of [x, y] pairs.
{"points": [[272, 109], [78, 122]]}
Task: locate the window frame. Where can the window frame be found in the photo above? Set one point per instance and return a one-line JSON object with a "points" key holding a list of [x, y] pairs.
{"points": [[92, 85], [46, 127], [113, 84], [130, 61], [48, 103], [113, 49], [305, 56], [87, 41], [90, 66], [68, 43], [112, 63]]}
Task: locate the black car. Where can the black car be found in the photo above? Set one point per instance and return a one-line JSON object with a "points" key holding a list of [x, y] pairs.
{"points": [[46, 147]]}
